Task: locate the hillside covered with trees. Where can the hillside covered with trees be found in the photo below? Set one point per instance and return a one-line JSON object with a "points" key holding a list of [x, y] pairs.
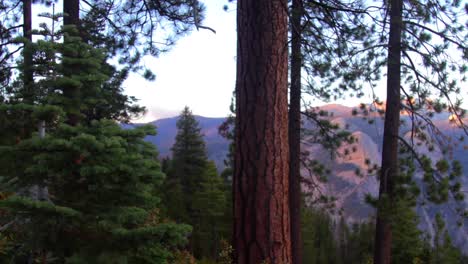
{"points": [[80, 184]]}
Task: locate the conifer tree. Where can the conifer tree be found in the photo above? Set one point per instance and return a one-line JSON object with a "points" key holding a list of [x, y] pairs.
{"points": [[103, 204], [319, 240], [444, 251], [209, 203], [411, 49], [389, 167], [131, 29], [188, 164], [407, 238], [294, 130], [27, 52], [10, 15], [188, 152], [195, 192], [260, 183]]}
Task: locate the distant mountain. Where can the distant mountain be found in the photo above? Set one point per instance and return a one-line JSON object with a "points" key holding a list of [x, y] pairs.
{"points": [[343, 183], [350, 189], [217, 146]]}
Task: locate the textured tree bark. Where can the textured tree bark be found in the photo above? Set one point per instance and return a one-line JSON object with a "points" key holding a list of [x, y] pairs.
{"points": [[295, 132], [27, 54], [389, 168], [71, 8], [261, 201]]}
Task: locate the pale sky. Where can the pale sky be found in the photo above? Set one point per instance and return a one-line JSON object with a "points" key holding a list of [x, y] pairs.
{"points": [[199, 72]]}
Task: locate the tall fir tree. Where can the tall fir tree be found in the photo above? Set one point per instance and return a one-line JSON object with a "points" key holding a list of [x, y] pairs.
{"points": [[195, 193], [407, 238], [189, 160], [209, 203], [444, 251], [102, 204], [319, 239]]}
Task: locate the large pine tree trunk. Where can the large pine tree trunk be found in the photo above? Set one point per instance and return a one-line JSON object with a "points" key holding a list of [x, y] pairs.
{"points": [[261, 201], [295, 132], [71, 8], [27, 53], [389, 168]]}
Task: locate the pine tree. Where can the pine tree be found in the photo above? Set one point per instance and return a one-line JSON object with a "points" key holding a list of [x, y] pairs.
{"points": [[102, 181], [71, 90], [407, 238], [195, 193], [27, 52], [10, 13], [261, 201], [209, 203], [444, 251], [389, 167], [324, 37], [188, 152], [294, 131], [320, 246], [132, 29], [111, 202], [226, 130], [361, 243], [188, 164], [410, 38]]}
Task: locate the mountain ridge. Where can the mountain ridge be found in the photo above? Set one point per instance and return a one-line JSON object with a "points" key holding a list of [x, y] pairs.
{"points": [[349, 188]]}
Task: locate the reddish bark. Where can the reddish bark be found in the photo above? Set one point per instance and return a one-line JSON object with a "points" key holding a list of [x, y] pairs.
{"points": [[261, 201], [389, 169]]}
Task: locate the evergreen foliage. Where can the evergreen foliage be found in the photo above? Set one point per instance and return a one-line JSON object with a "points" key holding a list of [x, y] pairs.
{"points": [[444, 251], [195, 193], [209, 203], [407, 238], [132, 29], [101, 182], [188, 153], [188, 164], [94, 193], [84, 193], [329, 241], [319, 243]]}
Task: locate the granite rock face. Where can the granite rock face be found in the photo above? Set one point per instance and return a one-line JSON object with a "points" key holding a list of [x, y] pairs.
{"points": [[344, 183]]}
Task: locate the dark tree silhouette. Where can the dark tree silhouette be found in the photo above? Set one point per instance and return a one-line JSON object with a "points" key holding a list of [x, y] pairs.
{"points": [[295, 132], [389, 167]]}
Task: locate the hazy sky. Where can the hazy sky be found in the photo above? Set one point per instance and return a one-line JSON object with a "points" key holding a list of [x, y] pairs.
{"points": [[199, 72]]}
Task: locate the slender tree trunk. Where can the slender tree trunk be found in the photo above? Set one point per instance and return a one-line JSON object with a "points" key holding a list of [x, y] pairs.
{"points": [[28, 79], [389, 169], [295, 132], [71, 8], [261, 201]]}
